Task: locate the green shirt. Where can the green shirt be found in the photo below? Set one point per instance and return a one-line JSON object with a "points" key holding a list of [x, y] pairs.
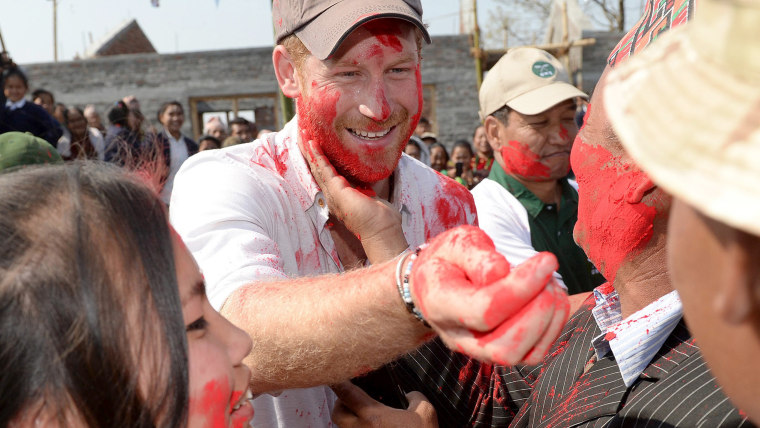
{"points": [[551, 229]]}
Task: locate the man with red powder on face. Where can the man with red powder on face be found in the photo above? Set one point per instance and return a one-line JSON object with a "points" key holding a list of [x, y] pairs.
{"points": [[626, 358], [288, 225], [526, 204]]}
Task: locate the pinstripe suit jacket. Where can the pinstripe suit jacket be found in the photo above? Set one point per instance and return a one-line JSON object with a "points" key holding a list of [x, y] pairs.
{"points": [[570, 389]]}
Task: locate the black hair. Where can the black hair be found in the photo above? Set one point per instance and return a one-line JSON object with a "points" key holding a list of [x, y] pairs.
{"points": [[243, 121], [411, 142], [464, 144], [66, 114], [210, 138], [40, 91], [15, 71], [119, 113], [165, 106], [88, 300], [502, 115]]}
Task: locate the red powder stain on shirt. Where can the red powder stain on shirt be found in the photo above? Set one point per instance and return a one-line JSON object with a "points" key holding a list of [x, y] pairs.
{"points": [[212, 405], [609, 336], [280, 162], [520, 160], [610, 226]]}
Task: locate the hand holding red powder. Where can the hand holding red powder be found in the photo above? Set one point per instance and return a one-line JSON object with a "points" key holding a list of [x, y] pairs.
{"points": [[480, 306], [372, 219]]}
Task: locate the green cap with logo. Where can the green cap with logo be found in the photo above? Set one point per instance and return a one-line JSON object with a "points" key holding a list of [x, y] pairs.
{"points": [[18, 149], [527, 80]]}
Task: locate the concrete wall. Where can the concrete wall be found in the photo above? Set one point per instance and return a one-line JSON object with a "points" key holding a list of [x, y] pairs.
{"points": [[155, 78]]}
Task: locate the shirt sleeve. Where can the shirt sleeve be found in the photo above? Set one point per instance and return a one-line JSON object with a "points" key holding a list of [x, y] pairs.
{"points": [[217, 207], [505, 220]]}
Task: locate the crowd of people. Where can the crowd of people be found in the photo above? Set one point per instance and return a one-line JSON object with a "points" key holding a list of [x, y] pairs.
{"points": [[347, 269], [128, 140]]}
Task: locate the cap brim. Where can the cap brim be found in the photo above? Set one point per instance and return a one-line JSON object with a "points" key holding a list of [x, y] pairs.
{"points": [[544, 98], [688, 122], [326, 32]]}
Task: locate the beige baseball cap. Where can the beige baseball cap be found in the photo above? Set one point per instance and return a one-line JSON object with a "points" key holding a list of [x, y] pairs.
{"points": [[323, 24], [528, 80], [687, 109]]}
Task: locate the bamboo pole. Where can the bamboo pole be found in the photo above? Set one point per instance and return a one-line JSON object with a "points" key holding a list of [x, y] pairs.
{"points": [[478, 53]]}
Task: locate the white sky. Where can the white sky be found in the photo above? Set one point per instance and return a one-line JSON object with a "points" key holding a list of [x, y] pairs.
{"points": [[175, 26]]}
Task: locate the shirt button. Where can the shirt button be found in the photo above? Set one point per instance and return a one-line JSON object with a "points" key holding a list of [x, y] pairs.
{"points": [[321, 202]]}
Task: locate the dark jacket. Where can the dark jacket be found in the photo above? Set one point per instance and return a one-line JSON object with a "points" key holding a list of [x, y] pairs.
{"points": [[31, 118]]}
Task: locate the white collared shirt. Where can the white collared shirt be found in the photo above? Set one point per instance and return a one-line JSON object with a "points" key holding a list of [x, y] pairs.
{"points": [[253, 213], [177, 155], [10, 105], [633, 341]]}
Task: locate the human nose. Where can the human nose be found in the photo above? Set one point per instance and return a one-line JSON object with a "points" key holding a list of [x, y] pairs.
{"points": [[237, 341], [376, 106], [560, 135]]}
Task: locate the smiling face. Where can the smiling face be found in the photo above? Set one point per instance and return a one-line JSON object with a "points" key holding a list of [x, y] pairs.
{"points": [[535, 147], [14, 88], [172, 119], [362, 104], [438, 158], [216, 348], [76, 123], [480, 142]]}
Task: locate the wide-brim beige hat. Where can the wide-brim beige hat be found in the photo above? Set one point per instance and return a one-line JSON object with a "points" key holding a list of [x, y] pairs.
{"points": [[687, 109]]}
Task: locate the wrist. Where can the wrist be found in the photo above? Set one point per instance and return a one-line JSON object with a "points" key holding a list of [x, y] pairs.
{"points": [[403, 278]]}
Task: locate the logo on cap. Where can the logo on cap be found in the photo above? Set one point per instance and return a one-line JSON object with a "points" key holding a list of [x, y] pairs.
{"points": [[543, 69]]}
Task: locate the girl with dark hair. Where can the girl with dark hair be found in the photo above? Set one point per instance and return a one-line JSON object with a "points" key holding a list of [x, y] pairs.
{"points": [[439, 157], [19, 115], [82, 141], [460, 168], [176, 147], [103, 314]]}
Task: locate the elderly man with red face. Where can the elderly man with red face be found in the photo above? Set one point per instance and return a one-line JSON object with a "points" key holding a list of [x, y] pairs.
{"points": [[527, 203], [302, 235], [707, 160], [626, 358]]}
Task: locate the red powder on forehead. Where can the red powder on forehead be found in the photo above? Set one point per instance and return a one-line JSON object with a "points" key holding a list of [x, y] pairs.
{"points": [[386, 32], [611, 226], [372, 51], [520, 160]]}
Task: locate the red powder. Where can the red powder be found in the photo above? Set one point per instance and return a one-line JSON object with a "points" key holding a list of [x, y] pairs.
{"points": [[564, 134], [520, 160], [609, 336], [367, 191], [386, 32], [612, 226], [373, 51], [212, 405]]}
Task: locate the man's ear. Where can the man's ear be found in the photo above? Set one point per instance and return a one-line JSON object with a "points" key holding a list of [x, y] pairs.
{"points": [[492, 126], [285, 70], [639, 188]]}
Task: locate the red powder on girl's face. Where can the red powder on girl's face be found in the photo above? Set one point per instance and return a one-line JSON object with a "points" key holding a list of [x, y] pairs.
{"points": [[212, 407], [613, 225], [520, 160]]}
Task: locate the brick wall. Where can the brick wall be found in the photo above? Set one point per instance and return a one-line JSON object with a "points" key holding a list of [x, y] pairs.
{"points": [[155, 78]]}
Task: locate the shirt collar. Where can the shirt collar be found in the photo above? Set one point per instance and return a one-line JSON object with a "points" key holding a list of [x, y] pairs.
{"points": [[532, 204], [15, 106], [633, 341]]}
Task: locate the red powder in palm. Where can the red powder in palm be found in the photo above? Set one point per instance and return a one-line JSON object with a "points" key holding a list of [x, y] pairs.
{"points": [[520, 160], [612, 226]]}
